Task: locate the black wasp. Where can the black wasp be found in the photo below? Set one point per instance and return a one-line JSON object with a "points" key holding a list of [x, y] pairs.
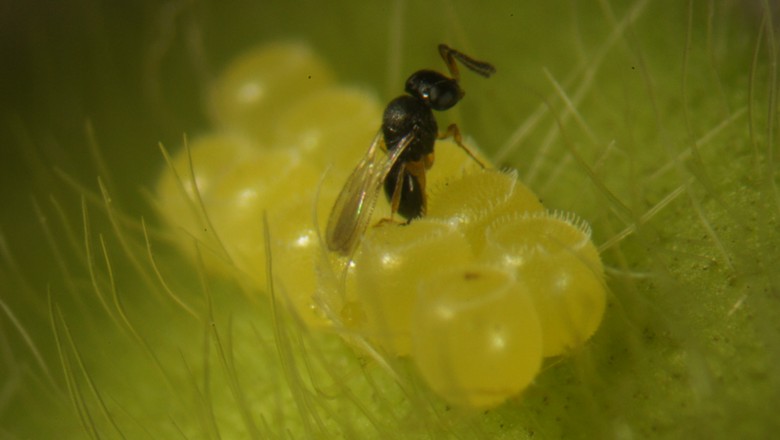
{"points": [[408, 133]]}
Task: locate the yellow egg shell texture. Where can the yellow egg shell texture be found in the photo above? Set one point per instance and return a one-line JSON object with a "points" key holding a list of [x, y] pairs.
{"points": [[295, 256], [257, 86], [477, 339], [333, 127], [553, 255], [476, 199], [222, 208], [186, 186], [388, 267], [466, 198], [209, 159], [237, 204], [451, 162]]}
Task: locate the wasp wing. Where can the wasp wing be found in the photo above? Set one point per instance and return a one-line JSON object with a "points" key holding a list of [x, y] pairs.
{"points": [[352, 211]]}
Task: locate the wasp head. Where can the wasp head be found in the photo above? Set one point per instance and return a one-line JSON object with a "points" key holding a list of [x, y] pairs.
{"points": [[436, 90]]}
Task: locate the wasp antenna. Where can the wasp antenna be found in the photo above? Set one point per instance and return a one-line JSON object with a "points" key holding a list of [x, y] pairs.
{"points": [[479, 67]]}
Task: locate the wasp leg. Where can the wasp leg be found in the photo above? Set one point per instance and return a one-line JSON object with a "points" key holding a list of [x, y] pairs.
{"points": [[428, 160], [395, 199], [454, 132], [417, 169]]}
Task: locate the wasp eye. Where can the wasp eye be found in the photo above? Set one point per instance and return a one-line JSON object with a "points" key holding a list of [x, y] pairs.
{"points": [[444, 95], [438, 91]]}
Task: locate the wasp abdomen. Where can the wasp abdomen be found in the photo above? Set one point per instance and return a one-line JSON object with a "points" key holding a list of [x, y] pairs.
{"points": [[411, 203]]}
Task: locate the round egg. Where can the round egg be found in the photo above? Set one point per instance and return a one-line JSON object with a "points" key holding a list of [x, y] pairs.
{"points": [[475, 199], [333, 127], [388, 267], [554, 257], [186, 188], [477, 340], [257, 86]]}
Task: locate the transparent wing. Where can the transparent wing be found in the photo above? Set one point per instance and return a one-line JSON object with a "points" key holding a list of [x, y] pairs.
{"points": [[355, 204]]}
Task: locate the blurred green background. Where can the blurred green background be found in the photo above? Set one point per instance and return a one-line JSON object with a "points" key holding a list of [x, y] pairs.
{"points": [[610, 109]]}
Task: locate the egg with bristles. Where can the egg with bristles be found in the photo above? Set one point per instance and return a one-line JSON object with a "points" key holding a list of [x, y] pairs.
{"points": [[476, 199], [553, 255]]}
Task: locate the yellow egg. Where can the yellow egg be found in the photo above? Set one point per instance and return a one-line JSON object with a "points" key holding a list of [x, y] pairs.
{"points": [[477, 340], [475, 293], [463, 197], [333, 127], [295, 260], [257, 86], [236, 183], [476, 199], [388, 267], [213, 156], [555, 258], [185, 186], [273, 181], [451, 162]]}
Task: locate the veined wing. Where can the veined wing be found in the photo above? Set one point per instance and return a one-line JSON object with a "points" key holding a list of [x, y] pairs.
{"points": [[352, 211]]}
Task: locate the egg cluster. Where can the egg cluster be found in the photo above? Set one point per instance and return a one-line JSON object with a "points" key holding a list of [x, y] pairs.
{"points": [[477, 293]]}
